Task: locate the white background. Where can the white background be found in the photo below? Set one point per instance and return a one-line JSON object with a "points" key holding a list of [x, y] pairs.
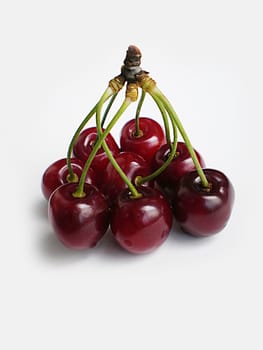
{"points": [[56, 60]]}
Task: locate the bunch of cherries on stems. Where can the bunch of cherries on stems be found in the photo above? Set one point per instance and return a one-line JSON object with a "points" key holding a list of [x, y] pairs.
{"points": [[138, 188]]}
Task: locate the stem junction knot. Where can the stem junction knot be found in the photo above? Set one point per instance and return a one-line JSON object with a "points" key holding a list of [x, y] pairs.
{"points": [[117, 83], [132, 91], [146, 82]]}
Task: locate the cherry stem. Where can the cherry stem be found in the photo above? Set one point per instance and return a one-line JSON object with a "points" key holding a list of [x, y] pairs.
{"points": [[156, 92], [132, 188], [79, 193], [137, 119], [71, 176], [173, 146], [108, 109], [165, 120], [106, 113]]}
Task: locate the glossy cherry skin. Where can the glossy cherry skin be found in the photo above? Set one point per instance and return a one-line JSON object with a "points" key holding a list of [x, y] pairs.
{"points": [[84, 146], [141, 225], [180, 165], [56, 175], [202, 212], [79, 223], [146, 145], [132, 165]]}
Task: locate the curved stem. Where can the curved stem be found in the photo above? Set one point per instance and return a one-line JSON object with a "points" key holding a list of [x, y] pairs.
{"points": [[165, 120], [138, 110], [80, 189], [173, 146], [108, 109], [71, 176], [156, 92], [132, 188], [108, 92], [106, 112]]}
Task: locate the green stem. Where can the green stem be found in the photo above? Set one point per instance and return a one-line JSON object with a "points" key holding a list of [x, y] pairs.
{"points": [[138, 110], [165, 120], [108, 92], [132, 188], [108, 109], [80, 189], [72, 176], [106, 113], [156, 92], [173, 146]]}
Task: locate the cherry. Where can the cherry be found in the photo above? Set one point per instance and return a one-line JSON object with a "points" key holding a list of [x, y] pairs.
{"points": [[147, 142], [57, 174], [181, 164], [79, 223], [84, 146], [132, 165], [203, 211], [201, 199], [141, 225]]}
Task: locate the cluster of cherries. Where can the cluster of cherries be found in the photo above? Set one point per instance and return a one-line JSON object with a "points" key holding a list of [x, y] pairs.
{"points": [[138, 186]]}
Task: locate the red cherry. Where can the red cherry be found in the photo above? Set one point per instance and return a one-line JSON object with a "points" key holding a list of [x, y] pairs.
{"points": [[79, 223], [141, 225], [132, 165], [147, 143], [56, 175], [201, 211], [180, 165], [84, 146]]}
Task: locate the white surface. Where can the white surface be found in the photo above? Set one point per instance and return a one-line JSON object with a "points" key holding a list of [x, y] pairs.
{"points": [[56, 60]]}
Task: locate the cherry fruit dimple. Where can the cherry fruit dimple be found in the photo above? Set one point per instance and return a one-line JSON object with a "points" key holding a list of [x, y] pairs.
{"points": [[57, 174], [84, 145], [203, 211], [141, 225], [132, 165], [181, 164], [150, 139], [79, 223]]}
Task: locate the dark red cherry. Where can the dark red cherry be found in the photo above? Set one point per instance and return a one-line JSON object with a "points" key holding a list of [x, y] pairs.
{"points": [[141, 225], [56, 175], [180, 165], [132, 165], [79, 223], [84, 146], [203, 211], [146, 144]]}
